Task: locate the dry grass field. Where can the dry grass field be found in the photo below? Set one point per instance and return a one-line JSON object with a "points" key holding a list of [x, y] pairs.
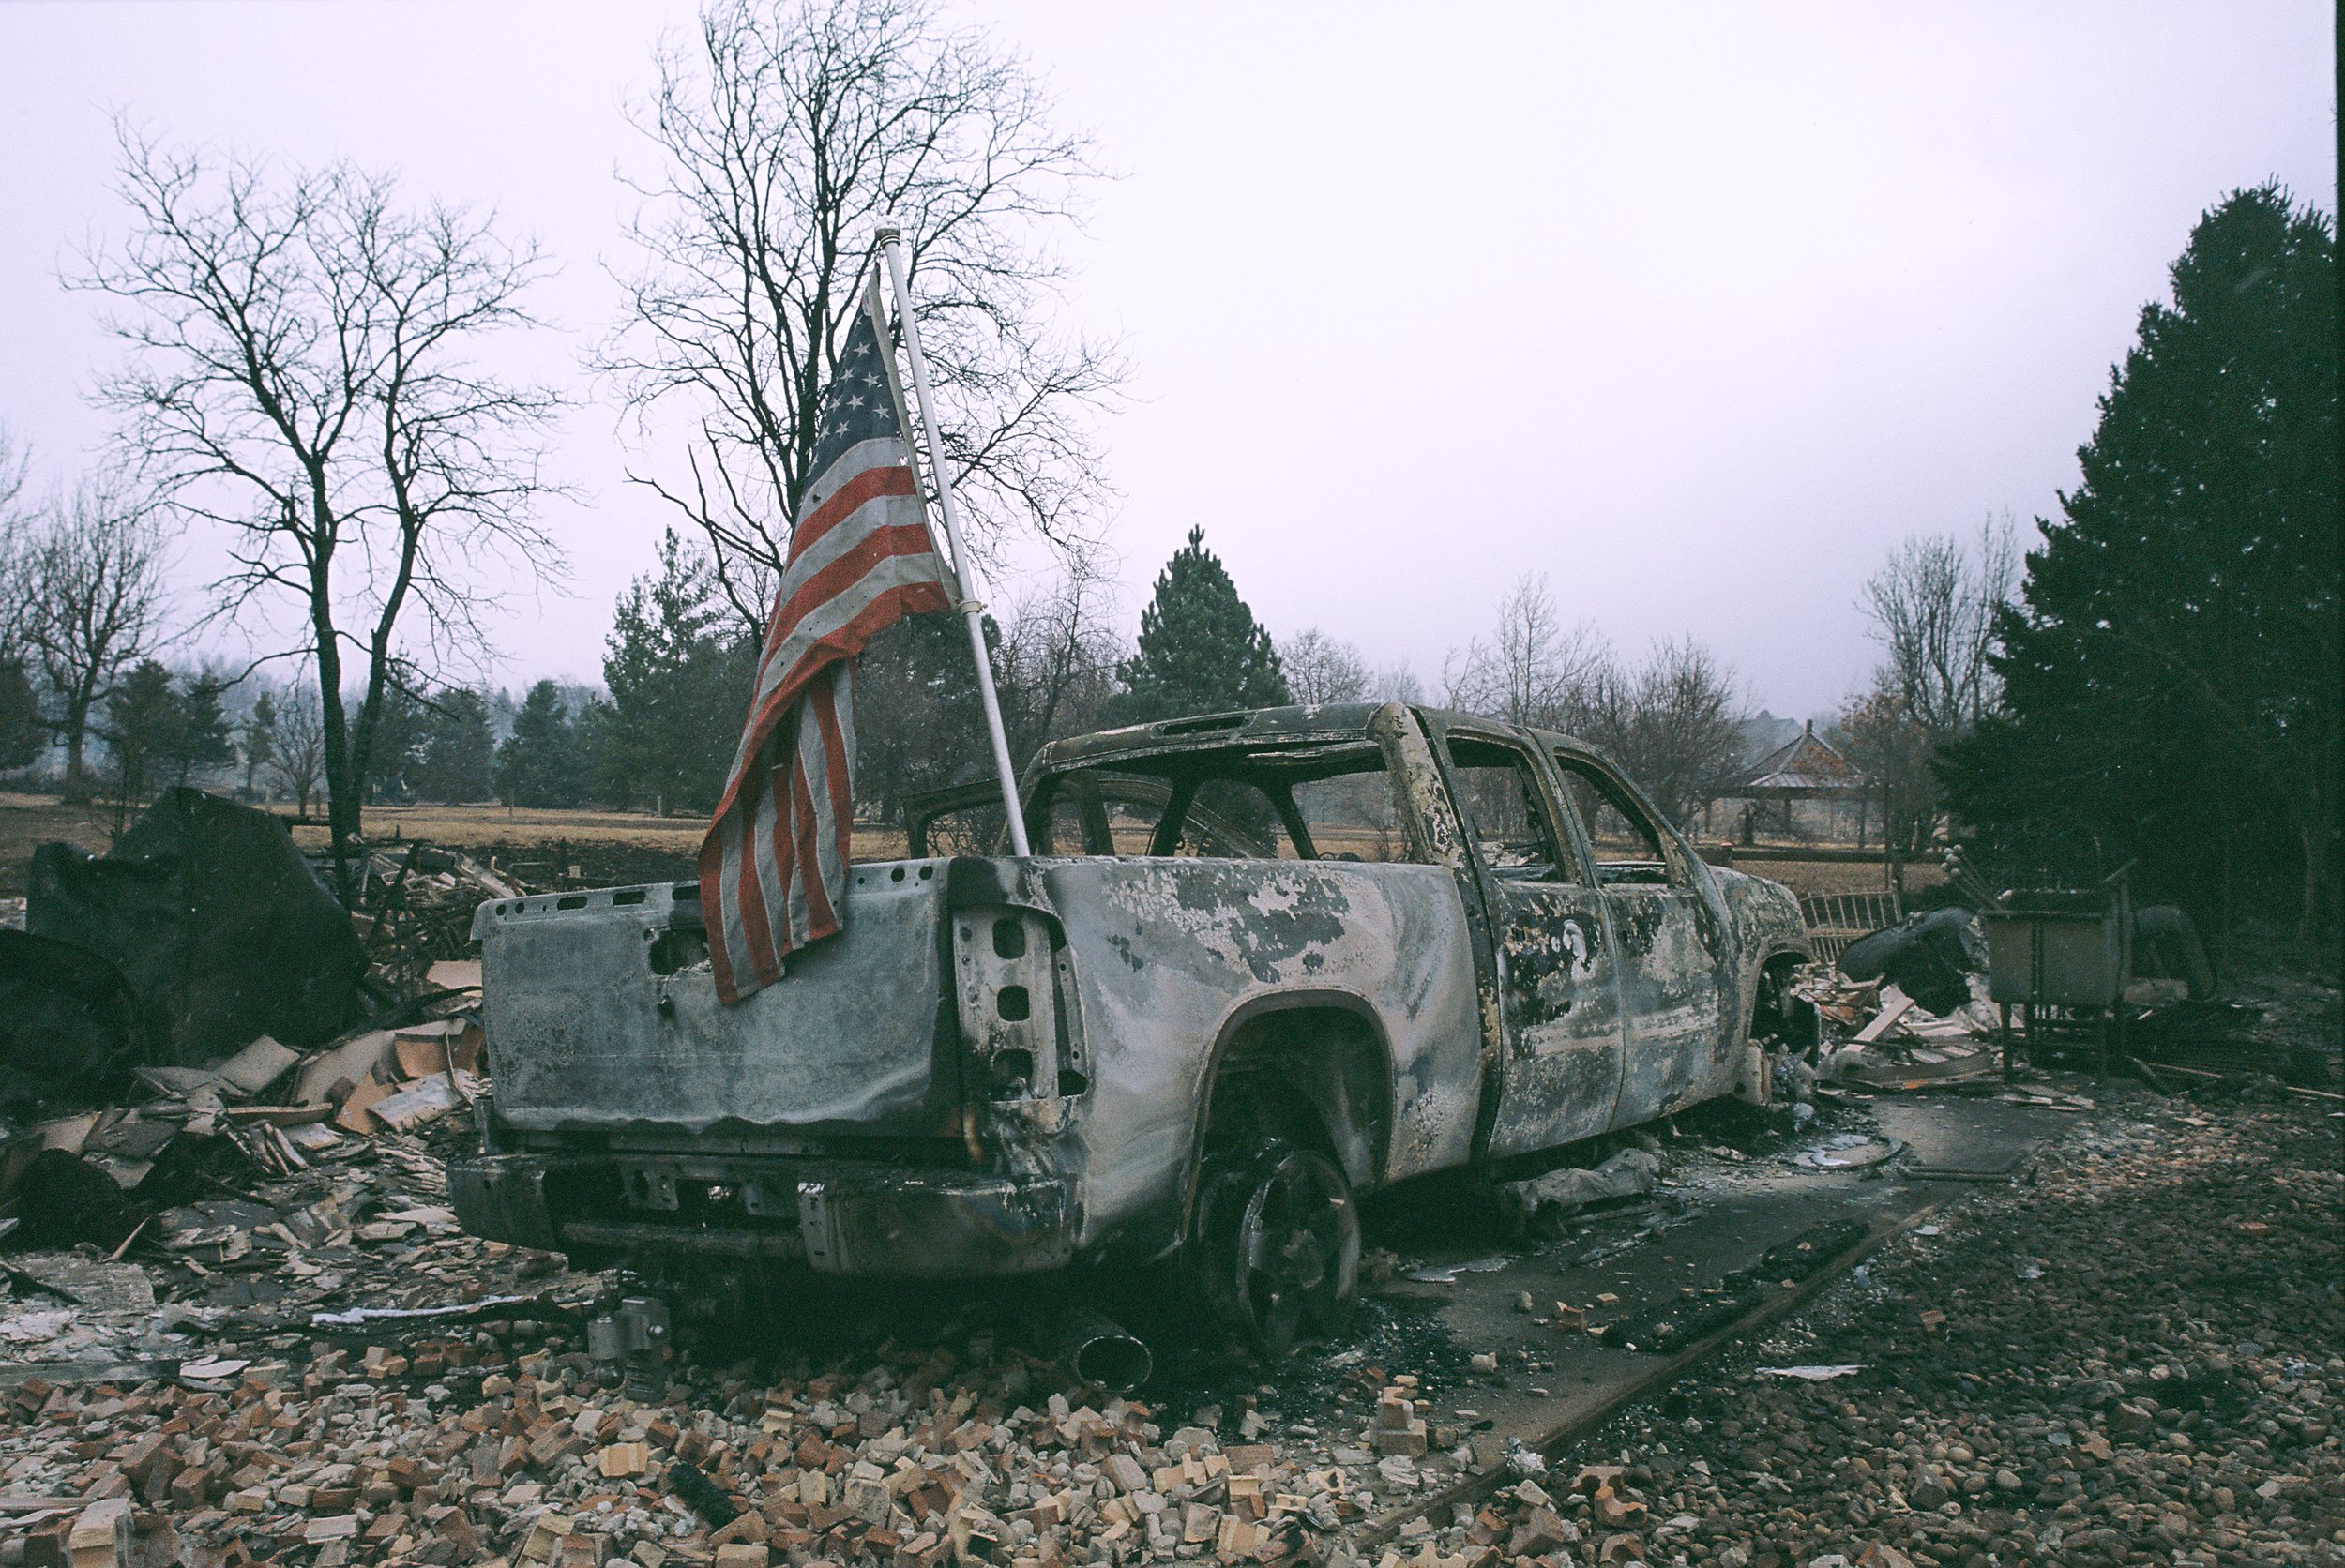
{"points": [[28, 822], [1810, 877], [606, 845]]}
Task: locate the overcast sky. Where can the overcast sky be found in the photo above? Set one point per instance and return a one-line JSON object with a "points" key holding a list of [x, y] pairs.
{"points": [[1697, 309]]}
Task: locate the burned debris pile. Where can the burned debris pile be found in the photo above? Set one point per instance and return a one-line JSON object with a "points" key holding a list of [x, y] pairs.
{"points": [[506, 1438], [1956, 997], [204, 1058], [417, 914], [195, 1010], [216, 924]]}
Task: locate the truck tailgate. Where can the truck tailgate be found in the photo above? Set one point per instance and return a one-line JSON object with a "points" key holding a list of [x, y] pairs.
{"points": [[602, 1015]]}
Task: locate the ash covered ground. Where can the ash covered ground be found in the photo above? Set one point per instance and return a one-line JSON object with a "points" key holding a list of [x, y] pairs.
{"points": [[2136, 1357]]}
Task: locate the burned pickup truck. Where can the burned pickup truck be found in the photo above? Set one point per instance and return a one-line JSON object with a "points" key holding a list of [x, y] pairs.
{"points": [[1257, 963]]}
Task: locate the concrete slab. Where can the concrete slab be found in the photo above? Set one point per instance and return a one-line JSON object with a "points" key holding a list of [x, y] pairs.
{"points": [[1713, 1215]]}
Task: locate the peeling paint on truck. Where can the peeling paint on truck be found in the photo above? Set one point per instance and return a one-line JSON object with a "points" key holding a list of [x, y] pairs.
{"points": [[1007, 1065]]}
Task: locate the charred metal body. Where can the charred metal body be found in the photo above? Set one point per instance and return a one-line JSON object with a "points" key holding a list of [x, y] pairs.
{"points": [[1384, 938]]}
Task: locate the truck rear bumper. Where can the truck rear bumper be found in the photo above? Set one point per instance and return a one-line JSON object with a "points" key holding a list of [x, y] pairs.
{"points": [[842, 1218]]}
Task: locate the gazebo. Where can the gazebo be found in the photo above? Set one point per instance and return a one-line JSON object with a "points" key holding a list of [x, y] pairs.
{"points": [[1806, 768]]}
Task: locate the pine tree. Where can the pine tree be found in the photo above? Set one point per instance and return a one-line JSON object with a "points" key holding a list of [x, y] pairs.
{"points": [[1200, 649], [258, 740], [141, 719], [459, 759], [199, 733], [539, 763], [679, 688], [395, 761], [22, 736], [2172, 678], [919, 723]]}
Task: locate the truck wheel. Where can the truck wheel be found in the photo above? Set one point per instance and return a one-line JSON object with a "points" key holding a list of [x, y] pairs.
{"points": [[1276, 1248]]}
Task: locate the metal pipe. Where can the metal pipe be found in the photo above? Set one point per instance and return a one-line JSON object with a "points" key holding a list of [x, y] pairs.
{"points": [[891, 241], [1100, 1350]]}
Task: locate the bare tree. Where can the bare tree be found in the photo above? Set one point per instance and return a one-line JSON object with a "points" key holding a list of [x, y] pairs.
{"points": [[1674, 723], [16, 468], [1059, 655], [297, 746], [24, 733], [1934, 607], [16, 525], [1322, 668], [1882, 738], [788, 129], [1397, 684], [300, 376], [92, 574], [1534, 669]]}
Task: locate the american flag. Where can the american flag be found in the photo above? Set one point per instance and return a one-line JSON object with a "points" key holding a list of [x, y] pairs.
{"points": [[773, 861]]}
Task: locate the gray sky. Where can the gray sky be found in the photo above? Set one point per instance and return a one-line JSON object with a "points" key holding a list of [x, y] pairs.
{"points": [[1698, 308]]}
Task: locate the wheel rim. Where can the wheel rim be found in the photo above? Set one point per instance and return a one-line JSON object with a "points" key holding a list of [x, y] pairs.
{"points": [[1285, 1247]]}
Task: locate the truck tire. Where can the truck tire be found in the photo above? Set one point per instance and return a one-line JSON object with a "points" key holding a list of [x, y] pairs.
{"points": [[1273, 1250]]}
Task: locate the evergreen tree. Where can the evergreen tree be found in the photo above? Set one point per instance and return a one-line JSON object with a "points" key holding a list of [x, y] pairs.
{"points": [[161, 733], [1200, 649], [257, 741], [919, 723], [141, 717], [679, 688], [503, 710], [395, 761], [539, 763], [22, 736], [2172, 678], [595, 725], [459, 753], [197, 734]]}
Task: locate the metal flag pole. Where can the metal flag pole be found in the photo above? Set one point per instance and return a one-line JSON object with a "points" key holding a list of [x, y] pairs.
{"points": [[890, 238]]}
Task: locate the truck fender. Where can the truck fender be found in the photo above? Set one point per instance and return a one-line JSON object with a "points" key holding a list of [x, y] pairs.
{"points": [[1345, 1087]]}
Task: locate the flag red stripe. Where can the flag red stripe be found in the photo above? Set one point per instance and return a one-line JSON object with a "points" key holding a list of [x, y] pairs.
{"points": [[890, 539], [893, 478], [756, 919], [790, 870], [884, 611]]}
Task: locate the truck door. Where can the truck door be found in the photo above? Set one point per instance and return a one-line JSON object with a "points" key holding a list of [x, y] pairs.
{"points": [[1558, 991], [1670, 941]]}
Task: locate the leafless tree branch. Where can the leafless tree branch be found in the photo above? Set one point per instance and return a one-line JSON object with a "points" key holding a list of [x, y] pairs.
{"points": [[1932, 608], [300, 375], [1322, 668], [787, 129], [91, 602]]}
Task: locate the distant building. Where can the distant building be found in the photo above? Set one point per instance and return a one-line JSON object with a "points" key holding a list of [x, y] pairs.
{"points": [[1803, 789]]}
